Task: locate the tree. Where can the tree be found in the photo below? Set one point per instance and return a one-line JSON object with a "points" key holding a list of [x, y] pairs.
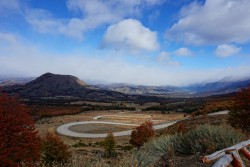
{"points": [[19, 142], [109, 145], [54, 150], [239, 117], [142, 134]]}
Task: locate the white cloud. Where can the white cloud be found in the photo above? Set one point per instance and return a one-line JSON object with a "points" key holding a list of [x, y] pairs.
{"points": [[215, 21], [226, 50], [154, 2], [24, 59], [183, 52], [6, 37], [7, 6], [165, 59], [164, 56], [92, 14], [130, 34], [97, 7], [42, 20]]}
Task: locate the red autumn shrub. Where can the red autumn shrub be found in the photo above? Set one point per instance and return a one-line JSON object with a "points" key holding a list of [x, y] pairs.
{"points": [[18, 138], [142, 134], [181, 128], [54, 150]]}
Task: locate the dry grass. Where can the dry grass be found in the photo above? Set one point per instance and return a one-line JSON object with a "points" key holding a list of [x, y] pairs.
{"points": [[129, 117], [94, 161], [99, 128], [50, 124]]}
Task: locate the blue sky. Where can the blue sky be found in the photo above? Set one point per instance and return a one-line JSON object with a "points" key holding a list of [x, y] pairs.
{"points": [[149, 42]]}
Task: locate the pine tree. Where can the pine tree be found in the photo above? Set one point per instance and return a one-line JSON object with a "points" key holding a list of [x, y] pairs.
{"points": [[109, 145]]}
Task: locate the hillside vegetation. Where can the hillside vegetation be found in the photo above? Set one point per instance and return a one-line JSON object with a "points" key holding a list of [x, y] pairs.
{"points": [[202, 140], [180, 143]]}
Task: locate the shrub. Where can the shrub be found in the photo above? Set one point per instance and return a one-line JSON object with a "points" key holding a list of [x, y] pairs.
{"points": [[125, 147], [109, 145], [18, 138], [78, 160], [142, 134], [205, 139], [100, 143], [79, 144], [153, 150], [54, 150], [175, 128], [240, 115]]}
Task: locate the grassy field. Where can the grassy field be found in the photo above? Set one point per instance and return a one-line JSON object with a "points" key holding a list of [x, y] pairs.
{"points": [[98, 128], [94, 147], [50, 124]]}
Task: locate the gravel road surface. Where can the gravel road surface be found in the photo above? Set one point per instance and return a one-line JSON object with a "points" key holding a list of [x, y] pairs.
{"points": [[64, 129]]}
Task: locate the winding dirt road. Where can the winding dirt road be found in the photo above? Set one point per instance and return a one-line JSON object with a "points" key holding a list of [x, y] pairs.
{"points": [[64, 129]]}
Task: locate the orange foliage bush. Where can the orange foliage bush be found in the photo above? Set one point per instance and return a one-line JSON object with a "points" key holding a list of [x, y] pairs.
{"points": [[214, 106], [39, 112], [18, 138], [175, 128], [54, 150], [142, 134], [181, 128]]}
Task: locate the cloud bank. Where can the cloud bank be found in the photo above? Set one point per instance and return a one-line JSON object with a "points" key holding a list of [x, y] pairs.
{"points": [[183, 52], [214, 22], [91, 14], [130, 34], [227, 50], [14, 60]]}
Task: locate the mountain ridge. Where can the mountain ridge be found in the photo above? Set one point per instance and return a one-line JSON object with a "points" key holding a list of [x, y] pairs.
{"points": [[50, 84]]}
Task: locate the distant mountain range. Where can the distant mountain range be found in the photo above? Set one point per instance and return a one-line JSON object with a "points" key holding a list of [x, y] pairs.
{"points": [[51, 85], [141, 90], [220, 87], [14, 81], [54, 85], [202, 89]]}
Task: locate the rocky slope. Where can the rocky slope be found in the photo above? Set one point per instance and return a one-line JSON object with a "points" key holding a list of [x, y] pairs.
{"points": [[51, 85]]}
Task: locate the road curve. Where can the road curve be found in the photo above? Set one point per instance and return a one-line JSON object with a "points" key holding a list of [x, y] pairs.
{"points": [[220, 112], [142, 115], [64, 129]]}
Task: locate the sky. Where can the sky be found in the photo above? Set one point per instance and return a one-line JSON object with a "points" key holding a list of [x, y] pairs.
{"points": [[143, 42]]}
